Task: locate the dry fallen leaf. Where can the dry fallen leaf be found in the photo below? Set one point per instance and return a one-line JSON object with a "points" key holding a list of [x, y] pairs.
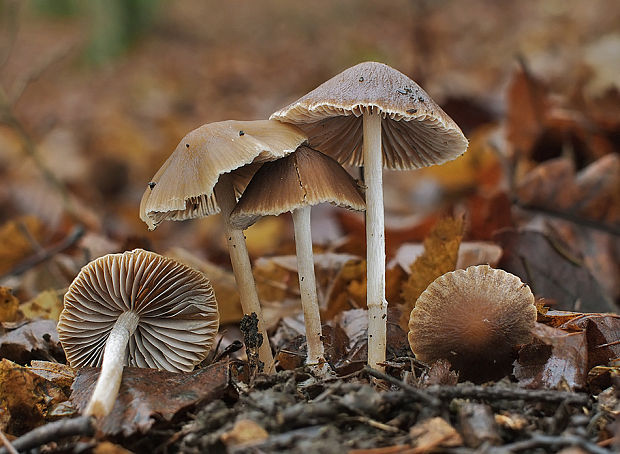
{"points": [[440, 254], [434, 433], [8, 305], [145, 393], [47, 304], [16, 241], [244, 432], [26, 397], [31, 340], [555, 359]]}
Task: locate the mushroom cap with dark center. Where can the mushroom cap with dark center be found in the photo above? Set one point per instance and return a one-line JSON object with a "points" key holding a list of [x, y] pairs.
{"points": [[415, 131], [175, 303], [306, 177], [183, 188], [472, 318]]}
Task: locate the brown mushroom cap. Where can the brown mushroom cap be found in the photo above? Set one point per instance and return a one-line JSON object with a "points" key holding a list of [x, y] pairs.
{"points": [[306, 177], [415, 131], [472, 318], [183, 187], [175, 303]]}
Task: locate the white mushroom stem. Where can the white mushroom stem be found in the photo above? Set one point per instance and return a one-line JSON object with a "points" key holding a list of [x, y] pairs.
{"points": [[375, 239], [109, 381], [242, 268], [307, 286]]}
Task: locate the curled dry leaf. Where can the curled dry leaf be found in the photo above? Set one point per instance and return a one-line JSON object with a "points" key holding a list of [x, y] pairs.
{"points": [[147, 394], [31, 340]]}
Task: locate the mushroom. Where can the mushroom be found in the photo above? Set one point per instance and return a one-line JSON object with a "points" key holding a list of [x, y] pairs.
{"points": [[202, 176], [398, 117], [472, 318], [296, 183], [165, 312]]}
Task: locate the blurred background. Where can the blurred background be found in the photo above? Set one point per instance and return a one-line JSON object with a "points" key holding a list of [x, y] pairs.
{"points": [[95, 95]]}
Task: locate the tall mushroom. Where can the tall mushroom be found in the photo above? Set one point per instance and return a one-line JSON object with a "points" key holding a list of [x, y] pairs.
{"points": [[398, 117], [200, 178], [296, 183], [165, 312]]}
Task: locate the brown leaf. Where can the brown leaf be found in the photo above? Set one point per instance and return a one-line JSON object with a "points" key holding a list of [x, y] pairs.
{"points": [[244, 432], [555, 359], [16, 241], [551, 270], [47, 304], [31, 340], [145, 393], [26, 397], [441, 248], [433, 433], [602, 334], [8, 305]]}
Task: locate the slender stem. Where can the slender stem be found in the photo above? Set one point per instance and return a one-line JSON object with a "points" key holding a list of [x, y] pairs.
{"points": [[307, 286], [375, 240], [109, 381], [242, 268]]}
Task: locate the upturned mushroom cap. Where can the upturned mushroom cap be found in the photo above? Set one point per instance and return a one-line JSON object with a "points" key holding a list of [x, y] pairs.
{"points": [[415, 131], [175, 303], [473, 318], [183, 188], [306, 177]]}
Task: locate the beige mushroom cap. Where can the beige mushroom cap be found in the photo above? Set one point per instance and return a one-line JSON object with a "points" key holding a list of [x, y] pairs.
{"points": [[473, 318], [415, 131], [176, 305], [306, 177], [183, 187]]}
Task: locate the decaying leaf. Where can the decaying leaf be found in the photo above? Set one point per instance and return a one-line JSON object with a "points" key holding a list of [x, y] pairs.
{"points": [[433, 433], [8, 305], [31, 340], [146, 393], [244, 432], [440, 254], [26, 397], [555, 359], [551, 270]]}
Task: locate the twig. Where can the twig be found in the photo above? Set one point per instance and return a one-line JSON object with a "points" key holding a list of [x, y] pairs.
{"points": [[46, 253], [496, 392], [415, 392], [82, 425], [7, 444], [551, 441], [376, 424]]}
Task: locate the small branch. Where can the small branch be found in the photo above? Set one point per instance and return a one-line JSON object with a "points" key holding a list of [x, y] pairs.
{"points": [[419, 394], [46, 253], [53, 431], [7, 444], [550, 441]]}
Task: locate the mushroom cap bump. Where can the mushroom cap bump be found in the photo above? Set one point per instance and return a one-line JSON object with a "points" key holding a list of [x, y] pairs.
{"points": [[178, 316], [416, 132], [183, 188], [472, 316], [304, 178]]}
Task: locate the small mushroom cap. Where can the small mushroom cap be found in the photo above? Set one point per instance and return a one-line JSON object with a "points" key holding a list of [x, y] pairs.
{"points": [[183, 187], [473, 318], [176, 305], [415, 131], [306, 177]]}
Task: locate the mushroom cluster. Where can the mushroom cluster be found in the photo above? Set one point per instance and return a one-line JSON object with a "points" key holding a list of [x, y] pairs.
{"points": [[369, 115], [138, 309]]}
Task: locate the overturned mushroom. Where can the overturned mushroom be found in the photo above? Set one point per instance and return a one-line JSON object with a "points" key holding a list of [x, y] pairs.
{"points": [[202, 177], [296, 183], [139, 309], [400, 128], [472, 318]]}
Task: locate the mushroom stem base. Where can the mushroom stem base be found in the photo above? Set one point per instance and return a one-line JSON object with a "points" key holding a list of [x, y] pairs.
{"points": [[109, 381]]}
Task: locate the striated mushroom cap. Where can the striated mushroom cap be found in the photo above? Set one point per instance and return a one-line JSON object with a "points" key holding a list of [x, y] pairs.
{"points": [[415, 131], [175, 303], [183, 187], [305, 177], [473, 318]]}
